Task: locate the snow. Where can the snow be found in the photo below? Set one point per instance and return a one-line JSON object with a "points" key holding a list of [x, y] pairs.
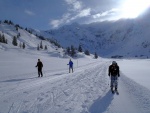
{"points": [[137, 70], [86, 90]]}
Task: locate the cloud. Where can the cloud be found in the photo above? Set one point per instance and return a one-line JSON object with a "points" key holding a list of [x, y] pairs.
{"points": [[75, 11], [74, 5], [104, 14], [85, 12], [29, 12], [66, 18], [56, 23]]}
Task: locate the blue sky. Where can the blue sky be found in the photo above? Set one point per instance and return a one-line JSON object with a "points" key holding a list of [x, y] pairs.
{"points": [[47, 14]]}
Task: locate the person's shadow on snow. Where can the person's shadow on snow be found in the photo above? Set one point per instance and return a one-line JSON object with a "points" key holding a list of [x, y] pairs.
{"points": [[102, 103], [18, 80]]}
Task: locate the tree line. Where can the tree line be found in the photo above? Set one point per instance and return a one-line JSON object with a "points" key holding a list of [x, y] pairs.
{"points": [[72, 51]]}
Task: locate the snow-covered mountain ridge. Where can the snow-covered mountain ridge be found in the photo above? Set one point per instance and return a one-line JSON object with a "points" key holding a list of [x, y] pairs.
{"points": [[124, 38]]}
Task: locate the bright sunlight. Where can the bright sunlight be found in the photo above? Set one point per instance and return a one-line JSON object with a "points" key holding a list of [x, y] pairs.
{"points": [[133, 8]]}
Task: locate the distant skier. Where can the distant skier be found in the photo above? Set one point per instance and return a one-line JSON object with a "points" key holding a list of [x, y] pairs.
{"points": [[40, 66], [70, 66], [113, 72]]}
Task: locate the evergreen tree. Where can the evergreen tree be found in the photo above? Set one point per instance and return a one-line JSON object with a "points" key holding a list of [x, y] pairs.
{"points": [[45, 47], [95, 55], [14, 42], [0, 38], [18, 35], [10, 22], [23, 46], [80, 48], [16, 28], [41, 45], [6, 21], [72, 50], [3, 39], [38, 48], [87, 52], [68, 50]]}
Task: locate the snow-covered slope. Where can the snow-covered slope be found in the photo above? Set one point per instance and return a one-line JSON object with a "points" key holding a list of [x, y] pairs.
{"points": [[108, 38], [30, 40]]}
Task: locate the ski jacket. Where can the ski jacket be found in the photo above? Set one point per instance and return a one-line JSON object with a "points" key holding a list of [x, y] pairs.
{"points": [[70, 64], [114, 70], [39, 65]]}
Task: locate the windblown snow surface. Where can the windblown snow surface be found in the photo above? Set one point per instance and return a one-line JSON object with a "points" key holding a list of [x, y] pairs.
{"points": [[86, 90]]}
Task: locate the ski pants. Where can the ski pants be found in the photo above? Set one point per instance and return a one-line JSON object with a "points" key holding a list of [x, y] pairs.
{"points": [[114, 82], [70, 68], [40, 72]]}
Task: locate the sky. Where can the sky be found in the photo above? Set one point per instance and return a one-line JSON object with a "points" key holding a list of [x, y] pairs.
{"points": [[49, 14]]}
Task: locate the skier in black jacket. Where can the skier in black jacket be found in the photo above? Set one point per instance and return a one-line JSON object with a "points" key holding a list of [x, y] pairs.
{"points": [[113, 72], [39, 65]]}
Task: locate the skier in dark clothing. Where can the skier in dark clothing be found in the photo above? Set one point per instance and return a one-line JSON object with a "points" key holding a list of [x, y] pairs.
{"points": [[70, 66], [113, 72], [39, 65]]}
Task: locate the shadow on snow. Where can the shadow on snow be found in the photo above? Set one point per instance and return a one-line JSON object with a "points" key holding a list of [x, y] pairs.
{"points": [[16, 80], [101, 104]]}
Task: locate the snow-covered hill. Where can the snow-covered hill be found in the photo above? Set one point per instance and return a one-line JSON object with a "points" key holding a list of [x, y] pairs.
{"points": [[31, 41], [108, 38]]}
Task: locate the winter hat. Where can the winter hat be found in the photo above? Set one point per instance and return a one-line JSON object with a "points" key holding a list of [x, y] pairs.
{"points": [[114, 62]]}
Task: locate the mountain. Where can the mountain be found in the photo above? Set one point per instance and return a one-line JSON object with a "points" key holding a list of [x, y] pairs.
{"points": [[121, 38]]}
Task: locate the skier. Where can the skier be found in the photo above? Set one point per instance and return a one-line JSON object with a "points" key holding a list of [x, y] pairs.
{"points": [[39, 65], [113, 72], [70, 66]]}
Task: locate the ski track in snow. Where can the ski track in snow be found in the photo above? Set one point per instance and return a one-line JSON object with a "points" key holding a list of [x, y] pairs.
{"points": [[84, 91]]}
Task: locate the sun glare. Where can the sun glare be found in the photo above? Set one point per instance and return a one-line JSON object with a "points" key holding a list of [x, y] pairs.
{"points": [[133, 8]]}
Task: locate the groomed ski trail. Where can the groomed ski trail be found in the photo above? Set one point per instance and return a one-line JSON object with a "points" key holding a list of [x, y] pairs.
{"points": [[65, 92], [86, 90]]}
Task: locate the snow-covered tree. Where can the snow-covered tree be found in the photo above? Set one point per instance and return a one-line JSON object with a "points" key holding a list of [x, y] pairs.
{"points": [[45, 47], [68, 50], [72, 50], [38, 48], [41, 45], [14, 42], [80, 48], [87, 52], [95, 55], [23, 46]]}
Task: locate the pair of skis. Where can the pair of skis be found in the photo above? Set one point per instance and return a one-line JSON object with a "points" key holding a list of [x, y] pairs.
{"points": [[115, 91]]}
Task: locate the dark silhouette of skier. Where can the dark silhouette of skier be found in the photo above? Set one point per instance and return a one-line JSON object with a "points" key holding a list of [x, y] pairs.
{"points": [[40, 66]]}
